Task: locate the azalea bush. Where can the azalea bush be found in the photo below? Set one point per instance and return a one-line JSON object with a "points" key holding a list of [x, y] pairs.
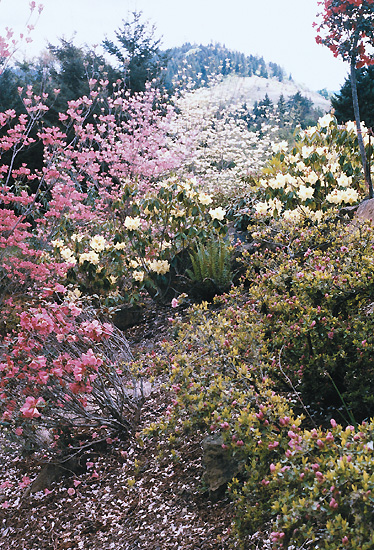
{"points": [[66, 371], [308, 485], [317, 490], [315, 295]]}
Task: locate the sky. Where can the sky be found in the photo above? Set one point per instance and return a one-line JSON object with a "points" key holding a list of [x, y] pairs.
{"points": [[279, 30]]}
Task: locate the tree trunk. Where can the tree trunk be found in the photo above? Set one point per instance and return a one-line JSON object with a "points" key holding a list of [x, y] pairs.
{"points": [[356, 110]]}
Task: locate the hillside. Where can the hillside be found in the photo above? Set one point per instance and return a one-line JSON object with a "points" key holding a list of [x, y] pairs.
{"points": [[238, 89], [198, 63]]}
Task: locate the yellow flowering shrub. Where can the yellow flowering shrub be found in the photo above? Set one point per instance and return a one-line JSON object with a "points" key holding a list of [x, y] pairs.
{"points": [[144, 246], [322, 170]]}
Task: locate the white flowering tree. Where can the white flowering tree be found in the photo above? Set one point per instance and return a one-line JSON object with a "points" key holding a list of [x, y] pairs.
{"points": [[223, 150]]}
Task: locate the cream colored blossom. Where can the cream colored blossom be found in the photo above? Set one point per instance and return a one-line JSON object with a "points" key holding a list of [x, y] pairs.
{"points": [[58, 243], [292, 215], [278, 182], [316, 215], [132, 224], [351, 126], [133, 264], [91, 257], [305, 192], [275, 204], [350, 195], [159, 266], [306, 151], [204, 199], [77, 237], [217, 213], [138, 276], [73, 295], [344, 180], [120, 246], [98, 243], [279, 147], [335, 197], [324, 121], [262, 208], [68, 255], [312, 178]]}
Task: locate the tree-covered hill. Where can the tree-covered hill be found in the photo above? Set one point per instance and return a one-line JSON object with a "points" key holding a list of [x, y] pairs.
{"points": [[198, 63]]}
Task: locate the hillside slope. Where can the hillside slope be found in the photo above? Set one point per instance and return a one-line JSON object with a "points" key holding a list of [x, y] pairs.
{"points": [[235, 89]]}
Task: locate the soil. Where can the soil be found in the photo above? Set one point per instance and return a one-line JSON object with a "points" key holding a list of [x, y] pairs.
{"points": [[132, 495]]}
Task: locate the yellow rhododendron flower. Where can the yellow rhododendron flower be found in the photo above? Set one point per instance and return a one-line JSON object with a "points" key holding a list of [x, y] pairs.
{"points": [[68, 255], [133, 264], [120, 246], [132, 224], [205, 199], [262, 208], [217, 213], [159, 266], [91, 257], [305, 192], [138, 276], [98, 243], [324, 121], [58, 243]]}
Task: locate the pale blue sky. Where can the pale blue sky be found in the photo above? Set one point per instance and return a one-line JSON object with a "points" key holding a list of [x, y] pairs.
{"points": [[279, 30]]}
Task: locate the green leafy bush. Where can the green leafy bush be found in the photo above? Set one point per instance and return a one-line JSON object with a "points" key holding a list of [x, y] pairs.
{"points": [[315, 293], [318, 490]]}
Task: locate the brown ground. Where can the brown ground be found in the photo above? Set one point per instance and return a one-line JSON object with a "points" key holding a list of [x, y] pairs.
{"points": [[128, 499]]}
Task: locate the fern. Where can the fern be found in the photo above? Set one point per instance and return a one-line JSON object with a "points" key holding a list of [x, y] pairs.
{"points": [[211, 271]]}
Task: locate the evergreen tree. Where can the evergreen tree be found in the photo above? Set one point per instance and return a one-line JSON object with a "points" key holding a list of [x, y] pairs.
{"points": [[343, 104], [282, 109], [138, 53]]}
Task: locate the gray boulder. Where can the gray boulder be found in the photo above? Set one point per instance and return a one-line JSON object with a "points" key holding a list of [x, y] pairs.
{"points": [[220, 467]]}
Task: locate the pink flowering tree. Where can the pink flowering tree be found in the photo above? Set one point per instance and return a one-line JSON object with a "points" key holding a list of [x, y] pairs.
{"points": [[347, 29], [60, 367], [10, 43]]}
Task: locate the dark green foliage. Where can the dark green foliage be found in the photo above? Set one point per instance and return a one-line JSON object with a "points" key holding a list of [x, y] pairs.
{"points": [[316, 300], [70, 69], [301, 111], [138, 53], [342, 101]]}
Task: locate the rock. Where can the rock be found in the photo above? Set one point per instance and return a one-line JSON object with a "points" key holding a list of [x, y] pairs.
{"points": [[365, 211], [52, 472], [220, 467], [127, 317]]}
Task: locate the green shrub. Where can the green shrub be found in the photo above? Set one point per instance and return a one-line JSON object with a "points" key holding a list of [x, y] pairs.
{"points": [[315, 293], [319, 490]]}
